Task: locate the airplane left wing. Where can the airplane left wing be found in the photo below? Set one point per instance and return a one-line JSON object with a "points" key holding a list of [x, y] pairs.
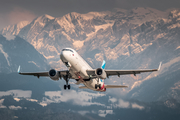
{"points": [[43, 74], [123, 72]]}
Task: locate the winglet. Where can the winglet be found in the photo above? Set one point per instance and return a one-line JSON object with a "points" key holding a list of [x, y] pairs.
{"points": [[160, 66], [19, 69], [103, 64]]}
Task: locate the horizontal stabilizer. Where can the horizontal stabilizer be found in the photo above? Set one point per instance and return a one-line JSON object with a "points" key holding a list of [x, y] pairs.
{"points": [[78, 82], [19, 69], [83, 87], [115, 86], [160, 66]]}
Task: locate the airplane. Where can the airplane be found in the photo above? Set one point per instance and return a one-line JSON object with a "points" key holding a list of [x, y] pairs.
{"points": [[81, 71]]}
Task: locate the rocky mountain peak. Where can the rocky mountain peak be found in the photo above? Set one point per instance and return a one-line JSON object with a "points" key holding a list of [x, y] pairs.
{"points": [[71, 16], [45, 16], [14, 29], [145, 11], [174, 14], [140, 15], [48, 16], [42, 20]]}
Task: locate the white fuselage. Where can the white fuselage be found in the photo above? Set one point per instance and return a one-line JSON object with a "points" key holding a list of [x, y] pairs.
{"points": [[77, 68]]}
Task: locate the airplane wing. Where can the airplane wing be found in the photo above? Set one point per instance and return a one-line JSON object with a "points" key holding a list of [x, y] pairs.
{"points": [[83, 87], [45, 74], [123, 72], [42, 74]]}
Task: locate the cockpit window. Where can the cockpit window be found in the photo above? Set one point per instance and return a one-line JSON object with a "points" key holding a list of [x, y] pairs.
{"points": [[67, 50]]}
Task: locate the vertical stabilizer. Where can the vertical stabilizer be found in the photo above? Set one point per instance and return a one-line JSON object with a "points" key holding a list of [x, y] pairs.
{"points": [[19, 69], [103, 67], [103, 64]]}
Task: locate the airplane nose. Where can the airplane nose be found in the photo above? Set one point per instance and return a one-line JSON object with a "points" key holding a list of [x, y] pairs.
{"points": [[63, 56]]}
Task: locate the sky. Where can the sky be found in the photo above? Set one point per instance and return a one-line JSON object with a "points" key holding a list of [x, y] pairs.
{"points": [[14, 11]]}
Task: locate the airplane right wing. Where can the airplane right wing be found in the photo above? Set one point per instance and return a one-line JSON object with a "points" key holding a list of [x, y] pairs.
{"points": [[123, 72]]}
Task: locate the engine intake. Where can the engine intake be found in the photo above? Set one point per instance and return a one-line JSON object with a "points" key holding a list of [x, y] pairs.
{"points": [[100, 73], [53, 74]]}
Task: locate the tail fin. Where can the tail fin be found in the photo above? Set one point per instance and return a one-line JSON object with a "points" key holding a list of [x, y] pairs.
{"points": [[103, 64], [103, 67], [160, 66], [19, 69]]}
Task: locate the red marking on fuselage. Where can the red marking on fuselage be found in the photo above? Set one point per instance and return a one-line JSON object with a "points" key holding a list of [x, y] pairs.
{"points": [[80, 78], [102, 89]]}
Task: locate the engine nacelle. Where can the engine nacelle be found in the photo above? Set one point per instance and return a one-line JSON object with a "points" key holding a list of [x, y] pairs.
{"points": [[101, 73], [53, 74]]}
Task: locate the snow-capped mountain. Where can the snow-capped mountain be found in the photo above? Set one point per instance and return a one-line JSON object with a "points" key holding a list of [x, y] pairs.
{"points": [[130, 39], [49, 35]]}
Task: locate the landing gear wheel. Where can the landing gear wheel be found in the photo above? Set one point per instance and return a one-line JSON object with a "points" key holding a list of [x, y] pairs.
{"points": [[95, 86], [66, 78], [99, 86], [64, 87], [69, 87]]}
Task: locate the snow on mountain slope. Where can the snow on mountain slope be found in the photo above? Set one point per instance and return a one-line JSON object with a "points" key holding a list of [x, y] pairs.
{"points": [[5, 54], [19, 52]]}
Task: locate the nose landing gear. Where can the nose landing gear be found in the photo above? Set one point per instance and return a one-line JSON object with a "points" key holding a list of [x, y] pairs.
{"points": [[96, 86], [68, 86], [66, 78]]}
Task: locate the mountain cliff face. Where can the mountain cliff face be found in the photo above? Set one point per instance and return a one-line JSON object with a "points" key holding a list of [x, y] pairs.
{"points": [[126, 39], [19, 52]]}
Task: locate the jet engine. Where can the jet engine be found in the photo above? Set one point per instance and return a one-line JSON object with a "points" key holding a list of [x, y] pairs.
{"points": [[100, 73], [53, 74]]}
